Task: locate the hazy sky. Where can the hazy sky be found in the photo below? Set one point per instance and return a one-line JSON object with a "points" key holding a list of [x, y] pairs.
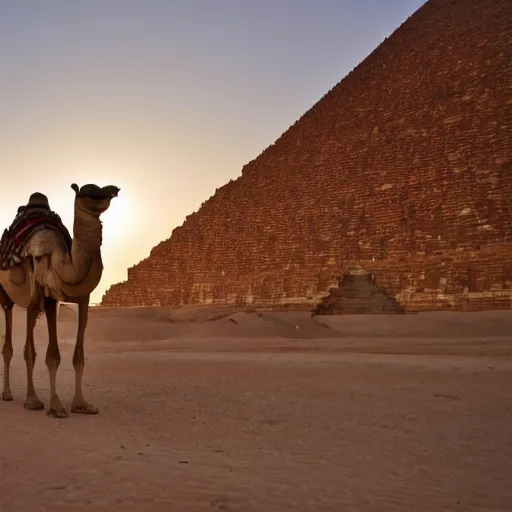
{"points": [[167, 99]]}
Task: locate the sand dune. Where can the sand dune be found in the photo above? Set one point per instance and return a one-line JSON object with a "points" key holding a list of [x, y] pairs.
{"points": [[231, 410], [149, 324]]}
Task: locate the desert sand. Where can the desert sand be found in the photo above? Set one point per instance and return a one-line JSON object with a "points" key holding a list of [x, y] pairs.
{"points": [[205, 409]]}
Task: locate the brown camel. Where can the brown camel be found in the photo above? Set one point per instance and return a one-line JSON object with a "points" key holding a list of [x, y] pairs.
{"points": [[54, 269]]}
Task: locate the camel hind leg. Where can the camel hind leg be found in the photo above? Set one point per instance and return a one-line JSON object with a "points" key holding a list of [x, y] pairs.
{"points": [[7, 351]]}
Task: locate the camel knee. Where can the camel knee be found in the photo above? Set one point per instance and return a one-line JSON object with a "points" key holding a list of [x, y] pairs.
{"points": [[78, 359], [29, 353], [7, 352], [52, 359], [78, 365]]}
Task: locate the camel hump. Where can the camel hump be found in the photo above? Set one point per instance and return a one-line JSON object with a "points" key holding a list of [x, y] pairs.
{"points": [[38, 200]]}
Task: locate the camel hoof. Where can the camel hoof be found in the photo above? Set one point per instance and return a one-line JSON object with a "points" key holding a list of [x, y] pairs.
{"points": [[84, 409], [6, 396], [33, 403], [57, 412]]}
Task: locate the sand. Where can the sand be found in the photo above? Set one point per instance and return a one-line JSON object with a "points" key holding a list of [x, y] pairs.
{"points": [[223, 410]]}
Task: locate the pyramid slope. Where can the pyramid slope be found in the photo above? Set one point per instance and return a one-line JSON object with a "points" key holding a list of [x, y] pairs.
{"points": [[404, 167]]}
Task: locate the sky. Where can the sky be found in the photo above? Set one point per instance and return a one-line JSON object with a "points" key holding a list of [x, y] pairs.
{"points": [[166, 99]]}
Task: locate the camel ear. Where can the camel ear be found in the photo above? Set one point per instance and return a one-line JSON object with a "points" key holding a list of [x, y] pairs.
{"points": [[75, 187]]}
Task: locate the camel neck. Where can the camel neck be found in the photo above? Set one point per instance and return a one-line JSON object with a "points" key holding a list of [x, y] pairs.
{"points": [[88, 230]]}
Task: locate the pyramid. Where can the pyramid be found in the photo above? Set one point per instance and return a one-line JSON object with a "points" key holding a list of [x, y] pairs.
{"points": [[404, 168]]}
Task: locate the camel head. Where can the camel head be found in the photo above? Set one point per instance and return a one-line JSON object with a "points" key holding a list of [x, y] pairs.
{"points": [[94, 199]]}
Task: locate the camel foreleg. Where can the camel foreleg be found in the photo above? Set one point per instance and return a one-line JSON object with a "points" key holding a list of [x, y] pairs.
{"points": [[56, 409], [79, 404]]}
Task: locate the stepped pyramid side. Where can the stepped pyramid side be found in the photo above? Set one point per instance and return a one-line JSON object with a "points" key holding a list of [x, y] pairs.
{"points": [[358, 293], [404, 167]]}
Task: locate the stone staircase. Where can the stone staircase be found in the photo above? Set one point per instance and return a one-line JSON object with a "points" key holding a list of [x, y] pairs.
{"points": [[358, 294]]}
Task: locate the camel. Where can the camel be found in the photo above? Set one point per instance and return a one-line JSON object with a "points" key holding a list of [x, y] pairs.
{"points": [[54, 269]]}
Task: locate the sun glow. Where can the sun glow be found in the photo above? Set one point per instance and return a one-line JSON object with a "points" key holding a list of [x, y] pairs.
{"points": [[119, 216]]}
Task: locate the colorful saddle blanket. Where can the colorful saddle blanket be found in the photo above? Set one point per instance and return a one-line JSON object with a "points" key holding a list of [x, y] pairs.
{"points": [[28, 222]]}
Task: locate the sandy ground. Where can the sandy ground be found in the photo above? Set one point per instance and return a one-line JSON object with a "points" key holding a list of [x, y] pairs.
{"points": [[218, 410]]}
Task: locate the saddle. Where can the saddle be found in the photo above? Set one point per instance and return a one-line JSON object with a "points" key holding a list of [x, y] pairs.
{"points": [[30, 218]]}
